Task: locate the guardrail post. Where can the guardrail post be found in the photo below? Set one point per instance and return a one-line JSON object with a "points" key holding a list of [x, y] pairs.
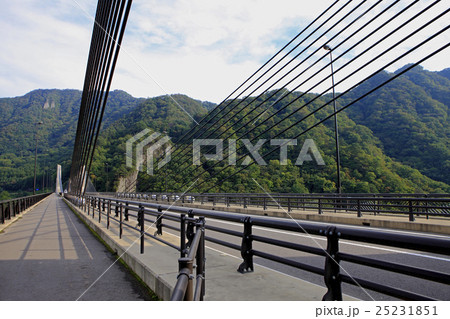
{"points": [[332, 275], [94, 205], [190, 229], [411, 214], [246, 247], [141, 217], [201, 260], [108, 213], [88, 206], [126, 211], [100, 211], [186, 263], [11, 209], [159, 222], [182, 235], [358, 205], [7, 212], [120, 220], [335, 204], [320, 207], [116, 209], [289, 204]]}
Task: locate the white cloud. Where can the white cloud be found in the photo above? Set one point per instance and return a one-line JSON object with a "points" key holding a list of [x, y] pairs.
{"points": [[201, 48], [43, 46]]}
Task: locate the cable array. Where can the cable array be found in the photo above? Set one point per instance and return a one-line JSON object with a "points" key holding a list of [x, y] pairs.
{"points": [[365, 37], [109, 27]]}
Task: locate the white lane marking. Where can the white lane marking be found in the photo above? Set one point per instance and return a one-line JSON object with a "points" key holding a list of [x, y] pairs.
{"points": [[342, 241], [79, 236], [274, 270]]}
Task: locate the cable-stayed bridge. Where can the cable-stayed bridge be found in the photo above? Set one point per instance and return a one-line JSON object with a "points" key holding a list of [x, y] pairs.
{"points": [[203, 233]]}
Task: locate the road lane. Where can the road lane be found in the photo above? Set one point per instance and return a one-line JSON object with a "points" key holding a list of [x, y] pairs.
{"points": [[403, 256]]}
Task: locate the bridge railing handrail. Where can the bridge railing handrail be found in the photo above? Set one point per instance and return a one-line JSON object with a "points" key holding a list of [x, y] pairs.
{"points": [[184, 288], [124, 212], [9, 208], [371, 196], [411, 206], [397, 195], [332, 255], [347, 232]]}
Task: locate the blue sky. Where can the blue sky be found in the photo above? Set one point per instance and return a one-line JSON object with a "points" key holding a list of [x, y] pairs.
{"points": [[201, 48]]}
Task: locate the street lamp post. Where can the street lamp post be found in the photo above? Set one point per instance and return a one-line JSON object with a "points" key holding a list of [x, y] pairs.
{"points": [[336, 132], [107, 178], [35, 158]]}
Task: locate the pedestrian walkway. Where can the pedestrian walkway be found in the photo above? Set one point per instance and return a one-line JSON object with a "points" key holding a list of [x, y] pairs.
{"points": [[49, 254]]}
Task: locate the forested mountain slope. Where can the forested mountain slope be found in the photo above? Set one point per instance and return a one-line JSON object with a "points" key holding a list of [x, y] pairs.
{"points": [[410, 117], [393, 141]]}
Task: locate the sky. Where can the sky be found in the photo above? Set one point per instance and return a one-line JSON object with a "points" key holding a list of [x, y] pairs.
{"points": [[201, 48]]}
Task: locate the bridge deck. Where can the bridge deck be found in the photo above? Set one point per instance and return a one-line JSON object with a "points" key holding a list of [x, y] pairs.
{"points": [[49, 254]]}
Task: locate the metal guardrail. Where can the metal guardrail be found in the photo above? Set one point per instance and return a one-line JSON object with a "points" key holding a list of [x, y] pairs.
{"points": [[192, 242], [184, 288], [331, 270], [12, 207], [410, 205]]}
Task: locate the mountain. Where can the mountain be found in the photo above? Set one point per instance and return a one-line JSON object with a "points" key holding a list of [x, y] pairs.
{"points": [[58, 111], [410, 117], [395, 140], [365, 167], [165, 114], [445, 73]]}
